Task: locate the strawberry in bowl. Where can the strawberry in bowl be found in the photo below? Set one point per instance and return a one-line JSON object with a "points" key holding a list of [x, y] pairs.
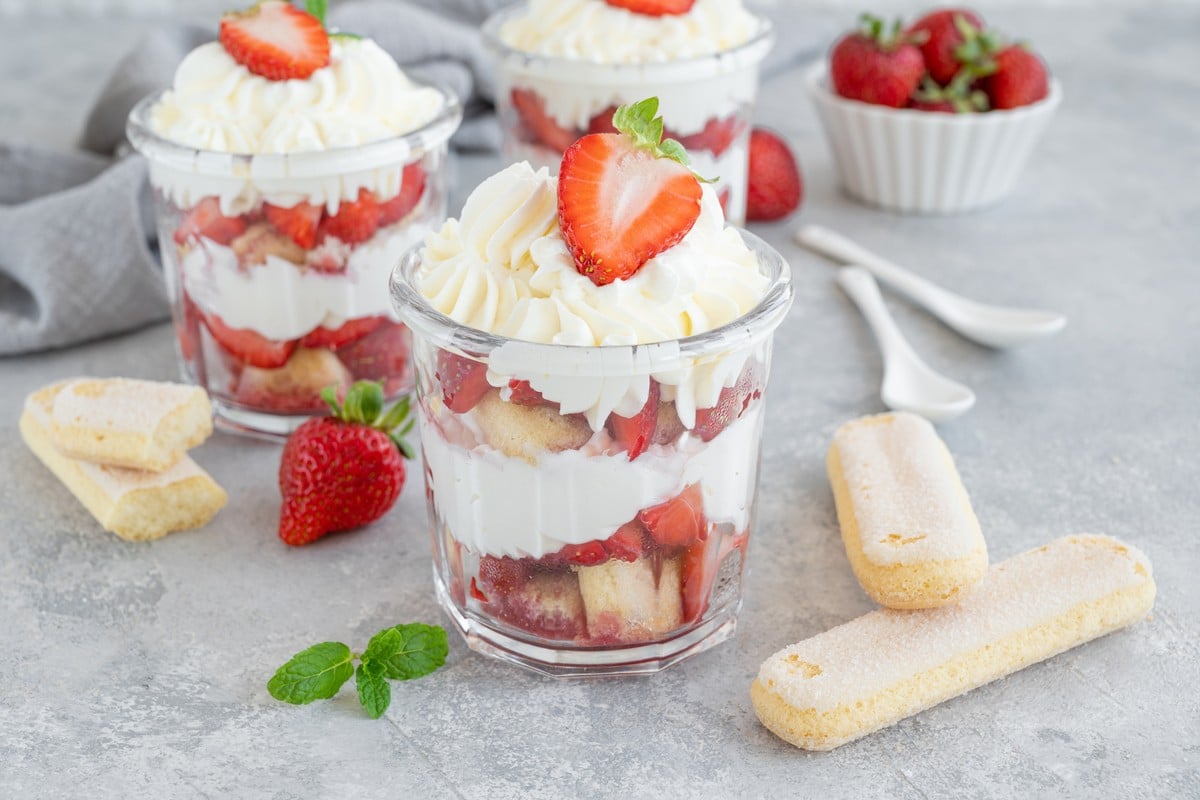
{"points": [[281, 219], [591, 397], [939, 116]]}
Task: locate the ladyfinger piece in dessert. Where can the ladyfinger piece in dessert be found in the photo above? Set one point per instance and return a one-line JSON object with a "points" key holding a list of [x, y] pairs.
{"points": [[887, 665], [911, 536], [134, 504], [145, 425]]}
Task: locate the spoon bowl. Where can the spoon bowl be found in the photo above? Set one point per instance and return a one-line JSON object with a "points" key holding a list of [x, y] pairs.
{"points": [[909, 384]]}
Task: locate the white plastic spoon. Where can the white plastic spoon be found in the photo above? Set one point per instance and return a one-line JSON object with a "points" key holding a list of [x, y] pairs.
{"points": [[909, 384], [994, 326]]}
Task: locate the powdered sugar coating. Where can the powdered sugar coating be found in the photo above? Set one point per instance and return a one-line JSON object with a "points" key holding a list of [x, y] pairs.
{"points": [[868, 655], [120, 404], [909, 503]]}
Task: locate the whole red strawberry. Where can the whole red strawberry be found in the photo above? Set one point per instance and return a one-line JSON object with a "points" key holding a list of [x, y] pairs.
{"points": [[874, 67], [941, 33], [343, 471], [1020, 78], [774, 188]]}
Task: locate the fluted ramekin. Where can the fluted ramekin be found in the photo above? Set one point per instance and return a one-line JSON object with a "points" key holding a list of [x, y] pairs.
{"points": [[920, 162]]}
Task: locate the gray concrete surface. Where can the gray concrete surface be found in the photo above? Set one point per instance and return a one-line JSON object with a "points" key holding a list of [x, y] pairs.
{"points": [[139, 670]]}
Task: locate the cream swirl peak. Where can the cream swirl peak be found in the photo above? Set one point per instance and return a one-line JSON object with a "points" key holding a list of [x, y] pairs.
{"points": [[505, 269], [593, 30], [361, 96]]}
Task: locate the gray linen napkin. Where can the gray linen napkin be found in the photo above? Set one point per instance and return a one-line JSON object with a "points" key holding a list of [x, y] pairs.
{"points": [[78, 252]]}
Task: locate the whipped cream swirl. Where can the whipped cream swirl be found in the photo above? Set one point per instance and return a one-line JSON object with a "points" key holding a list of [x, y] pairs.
{"points": [[592, 30], [362, 96], [504, 268]]}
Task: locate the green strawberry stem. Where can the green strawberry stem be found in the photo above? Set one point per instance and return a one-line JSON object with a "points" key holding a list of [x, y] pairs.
{"points": [[873, 28], [641, 123], [363, 405], [978, 49]]}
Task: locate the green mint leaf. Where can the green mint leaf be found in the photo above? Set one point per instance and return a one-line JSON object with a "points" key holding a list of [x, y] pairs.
{"points": [[344, 35], [374, 692], [408, 651], [317, 8], [313, 674]]}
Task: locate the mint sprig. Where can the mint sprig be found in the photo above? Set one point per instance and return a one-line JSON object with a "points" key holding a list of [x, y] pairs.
{"points": [[402, 652]]}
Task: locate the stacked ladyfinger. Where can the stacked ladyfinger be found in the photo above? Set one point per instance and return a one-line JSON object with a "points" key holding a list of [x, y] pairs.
{"points": [[121, 447], [949, 624]]}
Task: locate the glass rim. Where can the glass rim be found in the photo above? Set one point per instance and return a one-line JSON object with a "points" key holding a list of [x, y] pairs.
{"points": [[400, 147], [751, 51], [745, 331]]}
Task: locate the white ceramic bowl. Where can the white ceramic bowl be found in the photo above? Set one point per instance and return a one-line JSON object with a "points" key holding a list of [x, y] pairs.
{"points": [[927, 163]]}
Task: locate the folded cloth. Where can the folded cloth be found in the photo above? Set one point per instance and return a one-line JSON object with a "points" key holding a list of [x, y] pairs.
{"points": [[78, 250]]}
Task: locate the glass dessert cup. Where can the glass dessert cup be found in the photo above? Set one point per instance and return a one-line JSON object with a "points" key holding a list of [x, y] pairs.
{"points": [[267, 314], [568, 538], [545, 103]]}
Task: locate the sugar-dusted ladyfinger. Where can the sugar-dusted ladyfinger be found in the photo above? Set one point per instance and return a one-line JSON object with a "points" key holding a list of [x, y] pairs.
{"points": [[134, 504], [120, 422], [880, 668], [907, 523]]}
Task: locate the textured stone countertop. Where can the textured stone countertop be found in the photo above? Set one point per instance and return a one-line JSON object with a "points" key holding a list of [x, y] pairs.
{"points": [[139, 670]]}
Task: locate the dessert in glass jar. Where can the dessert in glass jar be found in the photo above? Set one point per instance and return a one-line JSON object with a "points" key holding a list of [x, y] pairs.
{"points": [[292, 168], [565, 65], [591, 353]]}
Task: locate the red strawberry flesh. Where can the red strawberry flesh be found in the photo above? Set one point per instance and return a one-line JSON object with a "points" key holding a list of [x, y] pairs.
{"points": [[275, 40], [679, 522], [634, 434], [464, 382], [619, 205]]}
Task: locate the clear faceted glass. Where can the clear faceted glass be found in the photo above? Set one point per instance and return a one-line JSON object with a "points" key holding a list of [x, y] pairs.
{"points": [[546, 103], [576, 548], [266, 318]]}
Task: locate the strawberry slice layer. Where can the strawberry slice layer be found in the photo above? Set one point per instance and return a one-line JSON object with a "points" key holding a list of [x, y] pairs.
{"points": [[412, 186], [538, 124], [355, 221], [464, 382], [679, 522], [624, 198], [698, 569], [275, 40], [634, 434], [299, 222], [346, 333], [248, 346], [206, 221]]}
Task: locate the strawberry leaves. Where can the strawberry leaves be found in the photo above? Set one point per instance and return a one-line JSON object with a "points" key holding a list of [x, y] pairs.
{"points": [[402, 652], [364, 406]]}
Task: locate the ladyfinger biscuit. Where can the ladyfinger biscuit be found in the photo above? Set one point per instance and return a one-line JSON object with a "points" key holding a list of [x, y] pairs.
{"points": [[907, 523], [146, 425], [887, 665], [134, 504]]}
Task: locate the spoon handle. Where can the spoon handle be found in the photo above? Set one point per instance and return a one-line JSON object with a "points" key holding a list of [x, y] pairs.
{"points": [[839, 248], [858, 284]]}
